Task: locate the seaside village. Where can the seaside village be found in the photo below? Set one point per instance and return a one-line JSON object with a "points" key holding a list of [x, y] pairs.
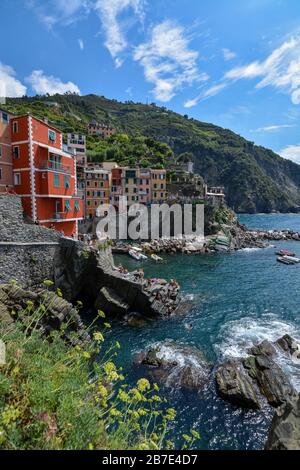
{"points": [[61, 189]]}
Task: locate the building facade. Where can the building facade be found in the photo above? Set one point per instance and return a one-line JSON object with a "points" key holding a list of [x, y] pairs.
{"points": [[44, 175], [97, 189], [158, 186], [144, 188], [101, 130], [6, 163], [130, 185], [116, 190], [77, 143]]}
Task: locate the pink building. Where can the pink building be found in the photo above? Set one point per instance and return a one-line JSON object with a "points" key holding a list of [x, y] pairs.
{"points": [[6, 163]]}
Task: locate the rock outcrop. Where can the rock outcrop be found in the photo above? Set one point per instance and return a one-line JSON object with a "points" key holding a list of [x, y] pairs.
{"points": [[249, 381], [44, 309], [284, 433], [176, 365]]}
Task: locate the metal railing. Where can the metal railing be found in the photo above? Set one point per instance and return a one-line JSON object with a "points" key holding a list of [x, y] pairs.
{"points": [[55, 166]]}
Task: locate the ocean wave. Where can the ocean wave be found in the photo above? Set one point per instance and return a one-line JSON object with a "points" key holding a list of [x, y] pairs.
{"points": [[237, 336]]}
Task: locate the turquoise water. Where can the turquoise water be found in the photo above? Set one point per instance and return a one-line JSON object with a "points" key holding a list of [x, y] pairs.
{"points": [[239, 298]]}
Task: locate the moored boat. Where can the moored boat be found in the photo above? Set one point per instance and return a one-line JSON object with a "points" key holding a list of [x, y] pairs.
{"points": [[285, 253], [156, 258], [288, 260]]}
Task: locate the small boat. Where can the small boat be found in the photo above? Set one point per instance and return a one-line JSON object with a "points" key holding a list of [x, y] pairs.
{"points": [[288, 260], [136, 248], [156, 258], [285, 253], [136, 255]]}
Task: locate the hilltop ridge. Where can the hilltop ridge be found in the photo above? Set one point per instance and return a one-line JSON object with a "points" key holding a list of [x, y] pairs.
{"points": [[255, 178]]}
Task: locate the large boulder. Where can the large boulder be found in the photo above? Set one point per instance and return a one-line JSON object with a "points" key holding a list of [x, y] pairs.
{"points": [[235, 385], [284, 433], [109, 301], [251, 380], [176, 365]]}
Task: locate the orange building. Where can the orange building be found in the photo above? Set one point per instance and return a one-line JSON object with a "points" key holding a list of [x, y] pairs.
{"points": [[97, 188], [6, 164], [100, 130], [45, 175], [144, 189], [158, 186]]}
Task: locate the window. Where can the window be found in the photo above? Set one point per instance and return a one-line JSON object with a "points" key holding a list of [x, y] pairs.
{"points": [[88, 193], [0, 173], [76, 206], [16, 152], [66, 182], [88, 183], [67, 206], [51, 136], [15, 127], [56, 180], [155, 186], [101, 184], [88, 203], [161, 194], [0, 151], [5, 118], [17, 179]]}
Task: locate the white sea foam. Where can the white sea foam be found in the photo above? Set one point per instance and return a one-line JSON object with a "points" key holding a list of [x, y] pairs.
{"points": [[238, 335]]}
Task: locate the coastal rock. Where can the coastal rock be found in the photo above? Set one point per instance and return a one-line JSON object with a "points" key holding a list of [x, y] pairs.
{"points": [[235, 385], [109, 301], [248, 381], [16, 302], [288, 345], [284, 433], [176, 365]]}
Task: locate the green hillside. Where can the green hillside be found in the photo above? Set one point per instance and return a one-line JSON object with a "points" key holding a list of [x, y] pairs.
{"points": [[255, 178]]}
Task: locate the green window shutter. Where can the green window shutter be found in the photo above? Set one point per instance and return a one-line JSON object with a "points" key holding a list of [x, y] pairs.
{"points": [[67, 206], [76, 206], [56, 180], [66, 182]]}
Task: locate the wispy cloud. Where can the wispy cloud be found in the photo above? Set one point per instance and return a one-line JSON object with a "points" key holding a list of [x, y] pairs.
{"points": [[81, 44], [291, 152], [228, 54], [281, 69], [43, 84], [109, 12], [168, 61], [274, 128], [10, 87], [212, 91], [63, 12]]}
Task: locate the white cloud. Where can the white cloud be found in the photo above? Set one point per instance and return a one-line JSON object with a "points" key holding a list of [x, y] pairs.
{"points": [[10, 87], [168, 61], [212, 91], [228, 54], [109, 11], [81, 44], [274, 128], [62, 12], [291, 152], [43, 84], [281, 69]]}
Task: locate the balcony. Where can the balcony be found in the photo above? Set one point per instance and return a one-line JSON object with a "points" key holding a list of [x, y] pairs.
{"points": [[49, 165]]}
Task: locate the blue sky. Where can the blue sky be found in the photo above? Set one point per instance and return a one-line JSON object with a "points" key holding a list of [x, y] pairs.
{"points": [[235, 63]]}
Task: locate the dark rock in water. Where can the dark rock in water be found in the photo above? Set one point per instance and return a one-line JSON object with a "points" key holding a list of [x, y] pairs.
{"points": [[247, 381], [135, 320], [176, 365], [288, 345], [235, 385], [265, 347], [109, 301], [284, 433]]}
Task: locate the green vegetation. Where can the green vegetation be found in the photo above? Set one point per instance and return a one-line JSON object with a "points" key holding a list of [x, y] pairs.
{"points": [[55, 395], [255, 178]]}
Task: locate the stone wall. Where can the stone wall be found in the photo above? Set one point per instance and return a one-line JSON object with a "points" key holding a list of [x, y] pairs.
{"points": [[26, 250]]}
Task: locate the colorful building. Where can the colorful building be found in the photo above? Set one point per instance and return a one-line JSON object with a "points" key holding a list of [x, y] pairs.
{"points": [[158, 186], [116, 190], [101, 130], [130, 185], [144, 186], [45, 175], [97, 188], [77, 143], [6, 164]]}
